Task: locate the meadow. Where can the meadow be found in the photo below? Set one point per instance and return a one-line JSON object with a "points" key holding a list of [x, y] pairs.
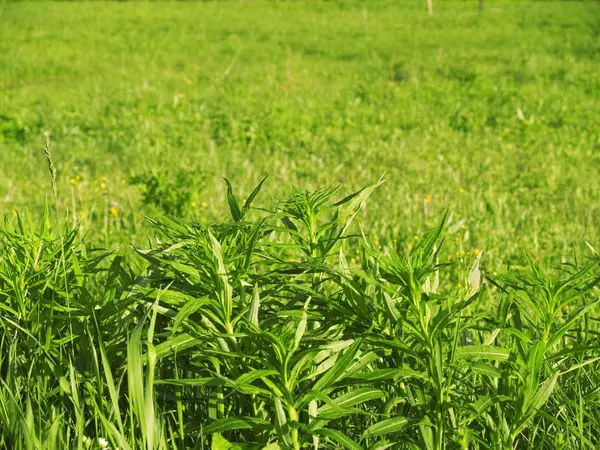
{"points": [[402, 254]]}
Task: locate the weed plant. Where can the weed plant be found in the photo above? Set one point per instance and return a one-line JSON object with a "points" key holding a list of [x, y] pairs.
{"points": [[286, 327]]}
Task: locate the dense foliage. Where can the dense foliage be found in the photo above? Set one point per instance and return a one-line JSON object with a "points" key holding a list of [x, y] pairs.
{"points": [[150, 307], [280, 328]]}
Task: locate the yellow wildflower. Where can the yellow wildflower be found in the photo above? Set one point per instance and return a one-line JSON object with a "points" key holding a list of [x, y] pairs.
{"points": [[476, 252], [114, 211], [428, 198], [204, 204], [461, 191]]}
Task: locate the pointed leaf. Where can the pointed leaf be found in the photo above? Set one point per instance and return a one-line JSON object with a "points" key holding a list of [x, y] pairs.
{"points": [[387, 426], [340, 438], [236, 423]]}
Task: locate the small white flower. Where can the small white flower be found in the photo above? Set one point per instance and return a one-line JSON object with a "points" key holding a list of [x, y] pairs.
{"points": [[103, 442]]}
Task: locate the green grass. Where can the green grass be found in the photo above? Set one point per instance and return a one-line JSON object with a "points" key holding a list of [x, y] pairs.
{"points": [[312, 93], [450, 304]]}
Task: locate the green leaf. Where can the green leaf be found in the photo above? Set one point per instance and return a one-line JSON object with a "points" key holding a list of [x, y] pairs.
{"points": [[481, 405], [569, 323], [203, 381], [543, 393], [234, 206], [272, 446], [389, 374], [391, 307], [226, 295], [135, 375], [300, 329], [535, 361], [220, 443], [112, 279], [474, 280], [427, 245], [236, 423], [254, 375], [357, 198], [387, 426], [112, 390], [176, 344], [482, 351], [538, 400], [254, 307], [382, 445], [355, 397], [339, 438], [281, 424], [185, 269], [362, 362], [77, 271], [485, 369], [252, 195], [339, 369], [187, 310]]}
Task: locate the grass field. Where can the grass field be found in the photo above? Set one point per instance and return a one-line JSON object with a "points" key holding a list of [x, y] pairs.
{"points": [[450, 303], [496, 114]]}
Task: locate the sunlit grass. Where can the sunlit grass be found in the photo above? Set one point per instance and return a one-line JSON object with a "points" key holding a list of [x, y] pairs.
{"points": [[150, 104], [154, 306]]}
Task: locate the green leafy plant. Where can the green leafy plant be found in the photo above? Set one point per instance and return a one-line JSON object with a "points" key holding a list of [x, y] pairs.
{"points": [[168, 192], [259, 333]]}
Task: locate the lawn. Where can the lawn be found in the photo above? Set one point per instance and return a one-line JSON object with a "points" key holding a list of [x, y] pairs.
{"points": [[403, 254]]}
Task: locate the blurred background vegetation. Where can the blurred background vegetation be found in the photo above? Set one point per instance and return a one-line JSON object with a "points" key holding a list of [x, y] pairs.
{"points": [[148, 105]]}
